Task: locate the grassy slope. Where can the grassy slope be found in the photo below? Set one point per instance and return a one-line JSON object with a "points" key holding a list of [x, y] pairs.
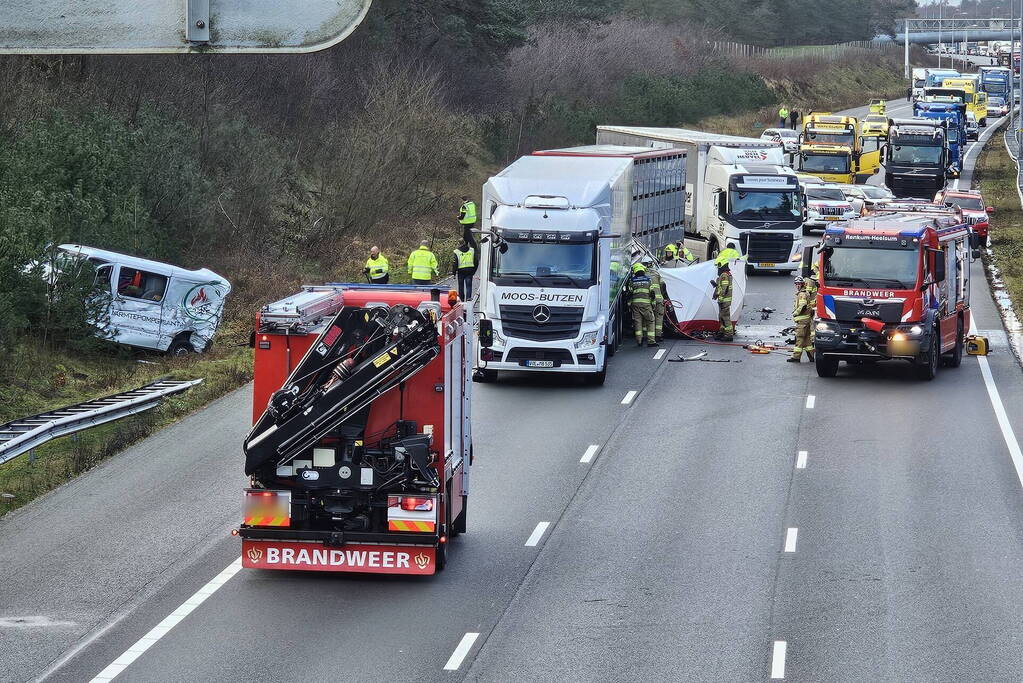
{"points": [[995, 175]]}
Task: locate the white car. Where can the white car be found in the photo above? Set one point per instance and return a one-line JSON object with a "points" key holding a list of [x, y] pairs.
{"points": [[869, 196], [996, 106], [788, 138], [972, 128], [826, 204]]}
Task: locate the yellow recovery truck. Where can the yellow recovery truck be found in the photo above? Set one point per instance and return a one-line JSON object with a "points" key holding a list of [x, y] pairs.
{"points": [[834, 149], [974, 98]]}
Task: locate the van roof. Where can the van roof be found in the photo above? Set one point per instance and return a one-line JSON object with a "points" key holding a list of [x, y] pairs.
{"points": [[106, 256]]}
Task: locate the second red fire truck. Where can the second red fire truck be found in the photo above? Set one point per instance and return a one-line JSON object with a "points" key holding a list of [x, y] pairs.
{"points": [[895, 286]]}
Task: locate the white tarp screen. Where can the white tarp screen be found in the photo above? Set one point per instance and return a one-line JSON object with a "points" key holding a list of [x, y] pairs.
{"points": [[690, 292]]}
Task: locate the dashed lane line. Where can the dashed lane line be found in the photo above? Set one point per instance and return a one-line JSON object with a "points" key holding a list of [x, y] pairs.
{"points": [[628, 398], [778, 659], [790, 539], [591, 451], [538, 532], [811, 401], [801, 460], [458, 656], [660, 354]]}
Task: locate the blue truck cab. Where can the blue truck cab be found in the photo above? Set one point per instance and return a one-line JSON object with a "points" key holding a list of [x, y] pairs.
{"points": [[954, 113]]}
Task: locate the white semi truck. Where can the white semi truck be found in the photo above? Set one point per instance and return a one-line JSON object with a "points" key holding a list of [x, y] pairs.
{"points": [[559, 230], [740, 194]]}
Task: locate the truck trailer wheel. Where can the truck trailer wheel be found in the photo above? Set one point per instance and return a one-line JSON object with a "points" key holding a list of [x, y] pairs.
{"points": [[928, 368], [826, 367]]}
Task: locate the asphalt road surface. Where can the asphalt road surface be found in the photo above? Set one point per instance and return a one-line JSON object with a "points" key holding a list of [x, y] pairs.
{"points": [[740, 521]]}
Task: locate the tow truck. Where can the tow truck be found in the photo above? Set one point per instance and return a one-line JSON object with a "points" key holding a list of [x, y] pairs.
{"points": [[895, 286], [834, 148], [361, 446]]}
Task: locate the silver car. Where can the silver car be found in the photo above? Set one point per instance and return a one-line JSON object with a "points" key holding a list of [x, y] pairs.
{"points": [[788, 138]]}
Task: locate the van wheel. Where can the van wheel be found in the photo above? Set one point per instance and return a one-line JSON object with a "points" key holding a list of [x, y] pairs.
{"points": [[181, 346], [826, 367]]}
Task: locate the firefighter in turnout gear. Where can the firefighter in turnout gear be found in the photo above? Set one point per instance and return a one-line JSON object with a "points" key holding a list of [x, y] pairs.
{"points": [[377, 268], [422, 264], [802, 316], [670, 252], [642, 305], [723, 295], [657, 296]]}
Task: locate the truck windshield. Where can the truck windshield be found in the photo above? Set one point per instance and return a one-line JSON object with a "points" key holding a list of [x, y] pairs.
{"points": [[830, 138], [916, 154], [824, 163], [754, 206], [863, 266], [545, 264]]}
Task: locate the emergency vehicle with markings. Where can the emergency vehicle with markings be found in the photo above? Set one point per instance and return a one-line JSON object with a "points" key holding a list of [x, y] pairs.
{"points": [[361, 446], [895, 286]]}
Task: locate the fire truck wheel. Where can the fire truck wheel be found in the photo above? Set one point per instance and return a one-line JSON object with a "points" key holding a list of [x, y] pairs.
{"points": [[955, 357], [826, 367], [928, 368]]}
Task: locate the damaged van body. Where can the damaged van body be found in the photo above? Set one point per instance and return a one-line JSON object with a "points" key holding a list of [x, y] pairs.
{"points": [[155, 305]]}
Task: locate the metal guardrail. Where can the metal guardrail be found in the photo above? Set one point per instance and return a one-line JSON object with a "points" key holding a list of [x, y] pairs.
{"points": [[21, 436]]}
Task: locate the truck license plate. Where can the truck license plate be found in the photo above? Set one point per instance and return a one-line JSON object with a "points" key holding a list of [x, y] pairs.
{"points": [[832, 218], [539, 364], [767, 265]]}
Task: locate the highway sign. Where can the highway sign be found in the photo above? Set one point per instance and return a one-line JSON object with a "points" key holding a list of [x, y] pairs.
{"points": [[167, 26]]}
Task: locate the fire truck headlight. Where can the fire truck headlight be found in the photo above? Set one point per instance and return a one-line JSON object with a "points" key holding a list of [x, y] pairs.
{"points": [[825, 328], [589, 339], [916, 330], [898, 336]]}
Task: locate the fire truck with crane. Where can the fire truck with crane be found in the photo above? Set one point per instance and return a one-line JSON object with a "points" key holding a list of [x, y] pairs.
{"points": [[894, 285], [361, 446]]}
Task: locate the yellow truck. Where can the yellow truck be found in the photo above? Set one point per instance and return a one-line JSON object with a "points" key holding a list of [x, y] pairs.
{"points": [[877, 106], [834, 149], [974, 98]]}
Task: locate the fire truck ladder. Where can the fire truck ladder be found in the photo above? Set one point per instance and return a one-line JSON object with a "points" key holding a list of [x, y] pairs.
{"points": [[21, 436], [359, 356]]}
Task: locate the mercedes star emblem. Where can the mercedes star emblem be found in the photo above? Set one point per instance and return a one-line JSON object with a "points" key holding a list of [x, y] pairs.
{"points": [[541, 314]]}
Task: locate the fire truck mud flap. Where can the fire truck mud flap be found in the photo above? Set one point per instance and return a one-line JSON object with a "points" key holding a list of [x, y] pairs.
{"points": [[364, 559]]}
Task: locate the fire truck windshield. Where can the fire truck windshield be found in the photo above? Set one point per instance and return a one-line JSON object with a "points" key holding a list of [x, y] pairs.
{"points": [[545, 264], [871, 267]]}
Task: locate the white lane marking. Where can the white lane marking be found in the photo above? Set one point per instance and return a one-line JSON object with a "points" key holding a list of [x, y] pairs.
{"points": [[660, 354], [790, 539], [778, 659], [811, 401], [1003, 420], [591, 451], [537, 534], [801, 460], [628, 398], [169, 622], [455, 660]]}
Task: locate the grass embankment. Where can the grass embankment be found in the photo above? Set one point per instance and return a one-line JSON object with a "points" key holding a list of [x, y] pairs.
{"points": [[35, 380], [831, 88], [995, 176]]}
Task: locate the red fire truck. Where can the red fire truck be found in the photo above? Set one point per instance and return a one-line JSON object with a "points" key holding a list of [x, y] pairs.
{"points": [[361, 445], [895, 285]]}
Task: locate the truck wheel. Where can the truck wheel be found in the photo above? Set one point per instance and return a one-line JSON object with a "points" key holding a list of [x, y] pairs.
{"points": [[826, 367], [955, 357], [713, 250], [597, 379], [928, 369]]}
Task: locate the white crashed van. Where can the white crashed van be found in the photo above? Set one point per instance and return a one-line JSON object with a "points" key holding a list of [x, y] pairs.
{"points": [[154, 305]]}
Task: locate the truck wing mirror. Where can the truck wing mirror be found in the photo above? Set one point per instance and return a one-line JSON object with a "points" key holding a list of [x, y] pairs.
{"points": [[503, 247], [722, 203], [807, 263], [990, 209], [486, 333]]}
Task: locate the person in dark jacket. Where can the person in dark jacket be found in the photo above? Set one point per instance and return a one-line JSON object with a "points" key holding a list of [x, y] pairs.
{"points": [[463, 267]]}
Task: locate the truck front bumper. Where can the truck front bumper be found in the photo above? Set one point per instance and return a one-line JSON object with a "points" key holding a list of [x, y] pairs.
{"points": [[850, 341]]}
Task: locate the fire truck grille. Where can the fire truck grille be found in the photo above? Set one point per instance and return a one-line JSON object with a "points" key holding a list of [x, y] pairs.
{"points": [[541, 323], [559, 356], [762, 247]]}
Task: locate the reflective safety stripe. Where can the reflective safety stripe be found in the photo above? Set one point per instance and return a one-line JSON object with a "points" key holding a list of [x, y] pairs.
{"points": [[410, 525], [800, 318], [422, 264], [268, 521], [377, 267], [466, 259]]}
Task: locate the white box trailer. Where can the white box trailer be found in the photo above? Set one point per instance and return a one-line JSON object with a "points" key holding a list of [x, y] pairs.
{"points": [[555, 256], [741, 194]]}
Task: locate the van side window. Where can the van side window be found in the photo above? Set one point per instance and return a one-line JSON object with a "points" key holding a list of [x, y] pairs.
{"points": [[139, 284], [103, 274]]}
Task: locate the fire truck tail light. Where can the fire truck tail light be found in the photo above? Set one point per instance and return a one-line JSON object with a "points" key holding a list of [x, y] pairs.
{"points": [[417, 504]]}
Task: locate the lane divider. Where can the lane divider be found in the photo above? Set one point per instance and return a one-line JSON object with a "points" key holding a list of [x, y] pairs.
{"points": [[170, 621], [778, 659], [790, 539], [538, 532], [591, 451], [458, 656]]}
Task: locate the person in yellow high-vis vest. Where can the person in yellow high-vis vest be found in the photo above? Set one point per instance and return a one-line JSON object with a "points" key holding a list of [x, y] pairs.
{"points": [[467, 218], [463, 267], [422, 264], [377, 268]]}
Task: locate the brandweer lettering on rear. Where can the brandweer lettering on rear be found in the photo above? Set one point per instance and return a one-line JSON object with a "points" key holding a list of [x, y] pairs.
{"points": [[338, 558]]}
